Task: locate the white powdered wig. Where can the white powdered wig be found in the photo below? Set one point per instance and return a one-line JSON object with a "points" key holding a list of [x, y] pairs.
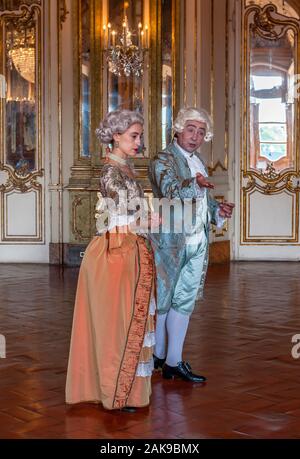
{"points": [[117, 122], [192, 114]]}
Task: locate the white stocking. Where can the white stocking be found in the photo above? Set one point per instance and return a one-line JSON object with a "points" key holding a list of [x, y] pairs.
{"points": [[177, 325], [161, 336]]}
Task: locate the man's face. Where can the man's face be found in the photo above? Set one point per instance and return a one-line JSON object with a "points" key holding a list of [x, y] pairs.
{"points": [[192, 136]]}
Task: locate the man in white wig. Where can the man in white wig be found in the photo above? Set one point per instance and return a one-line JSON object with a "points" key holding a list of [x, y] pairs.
{"points": [[179, 175]]}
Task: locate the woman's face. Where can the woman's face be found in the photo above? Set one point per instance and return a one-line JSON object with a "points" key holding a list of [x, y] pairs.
{"points": [[130, 140]]}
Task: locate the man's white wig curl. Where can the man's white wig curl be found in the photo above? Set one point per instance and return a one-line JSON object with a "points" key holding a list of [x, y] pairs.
{"points": [[192, 114]]}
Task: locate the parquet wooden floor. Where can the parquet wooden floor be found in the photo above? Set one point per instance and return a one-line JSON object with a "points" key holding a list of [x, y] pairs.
{"points": [[239, 337]]}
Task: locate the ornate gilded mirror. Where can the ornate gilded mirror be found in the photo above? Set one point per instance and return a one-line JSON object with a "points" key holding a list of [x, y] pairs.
{"points": [[272, 65], [20, 57], [21, 190], [155, 93], [270, 159]]}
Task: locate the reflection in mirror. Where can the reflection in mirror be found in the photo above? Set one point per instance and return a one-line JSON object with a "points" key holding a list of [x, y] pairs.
{"points": [[84, 52], [123, 91], [167, 102], [21, 102], [271, 107]]}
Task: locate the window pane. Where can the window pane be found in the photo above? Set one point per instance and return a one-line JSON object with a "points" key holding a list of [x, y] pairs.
{"points": [[272, 151], [271, 110], [272, 132], [266, 82]]}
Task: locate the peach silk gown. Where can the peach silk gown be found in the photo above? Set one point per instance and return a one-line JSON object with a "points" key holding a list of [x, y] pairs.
{"points": [[110, 360]]}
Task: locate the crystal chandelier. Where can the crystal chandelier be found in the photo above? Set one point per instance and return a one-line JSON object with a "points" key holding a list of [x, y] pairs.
{"points": [[20, 47], [124, 57]]}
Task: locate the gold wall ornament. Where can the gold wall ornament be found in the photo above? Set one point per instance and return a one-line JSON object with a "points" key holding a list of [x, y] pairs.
{"points": [[13, 5], [271, 182], [263, 22], [293, 182], [63, 12], [270, 172], [101, 214], [80, 217], [251, 182], [22, 180], [284, 7], [218, 165], [76, 202]]}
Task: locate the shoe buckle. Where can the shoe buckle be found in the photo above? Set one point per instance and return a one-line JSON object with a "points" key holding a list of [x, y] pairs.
{"points": [[188, 366]]}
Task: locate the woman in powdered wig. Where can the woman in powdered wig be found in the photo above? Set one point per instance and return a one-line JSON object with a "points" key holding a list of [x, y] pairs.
{"points": [[113, 326]]}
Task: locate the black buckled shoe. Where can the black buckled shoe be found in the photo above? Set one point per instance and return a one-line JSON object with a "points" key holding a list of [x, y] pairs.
{"points": [[158, 363], [128, 409], [184, 371]]}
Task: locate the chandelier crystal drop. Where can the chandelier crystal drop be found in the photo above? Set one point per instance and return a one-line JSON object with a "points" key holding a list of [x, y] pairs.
{"points": [[24, 61], [124, 56], [20, 47]]}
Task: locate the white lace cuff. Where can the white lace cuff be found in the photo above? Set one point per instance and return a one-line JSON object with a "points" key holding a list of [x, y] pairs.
{"points": [[145, 369], [149, 339], [152, 306], [220, 220]]}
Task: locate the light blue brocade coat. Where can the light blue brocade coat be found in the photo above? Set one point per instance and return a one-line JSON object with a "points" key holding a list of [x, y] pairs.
{"points": [[170, 177]]}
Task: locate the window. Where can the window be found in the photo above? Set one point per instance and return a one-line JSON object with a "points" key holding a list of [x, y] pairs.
{"points": [[272, 120]]}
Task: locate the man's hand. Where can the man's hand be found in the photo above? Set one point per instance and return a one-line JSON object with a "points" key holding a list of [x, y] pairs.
{"points": [[203, 182], [225, 209]]}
